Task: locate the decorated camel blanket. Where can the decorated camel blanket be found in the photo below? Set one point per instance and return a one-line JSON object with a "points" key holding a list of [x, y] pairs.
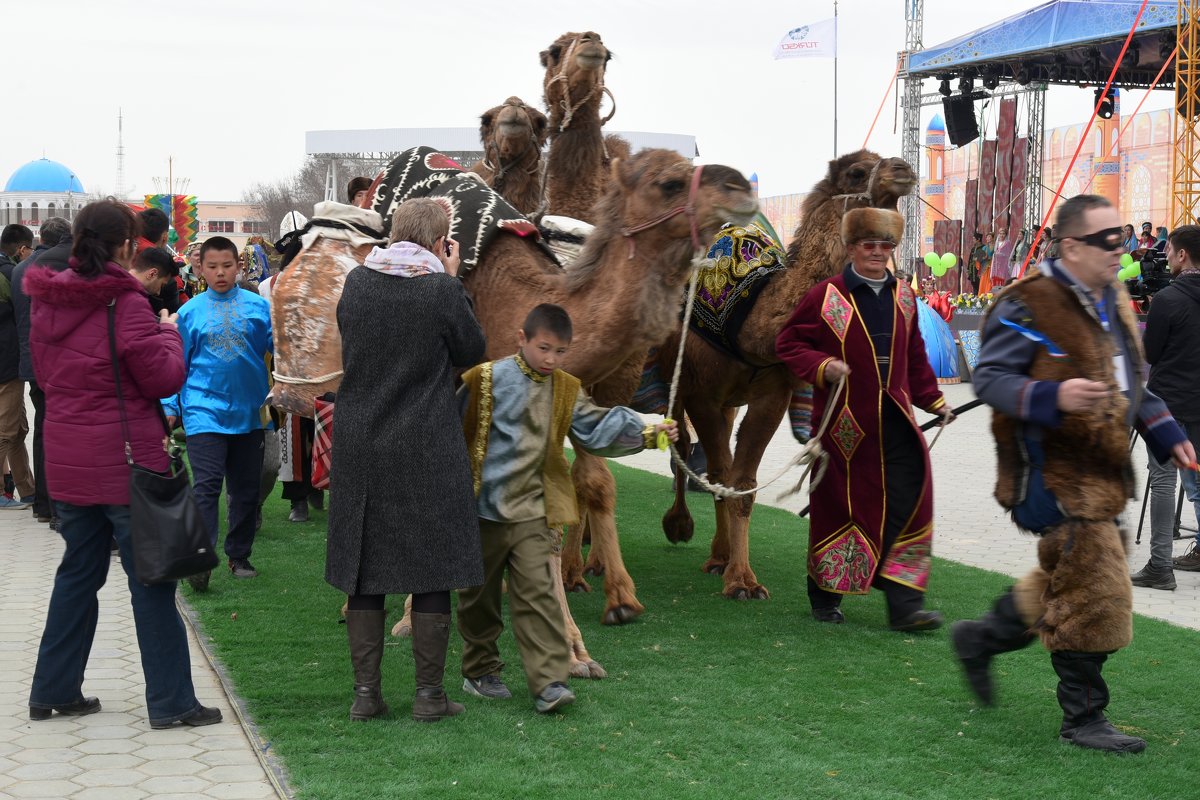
{"points": [[477, 213]]}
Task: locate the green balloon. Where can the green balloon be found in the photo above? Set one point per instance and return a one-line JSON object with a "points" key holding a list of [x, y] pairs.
{"points": [[1126, 260], [1123, 274], [949, 260], [939, 270], [1135, 270], [932, 260]]}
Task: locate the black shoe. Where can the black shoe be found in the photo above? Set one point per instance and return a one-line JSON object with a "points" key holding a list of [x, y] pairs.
{"points": [[317, 500], [831, 614], [43, 518], [80, 708], [200, 581], [242, 568], [1189, 561], [965, 637], [55, 523], [1101, 735], [299, 511], [918, 621], [1150, 578], [201, 716]]}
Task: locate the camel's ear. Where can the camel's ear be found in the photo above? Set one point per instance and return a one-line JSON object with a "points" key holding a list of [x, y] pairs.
{"points": [[485, 125], [551, 55], [539, 122], [623, 173]]}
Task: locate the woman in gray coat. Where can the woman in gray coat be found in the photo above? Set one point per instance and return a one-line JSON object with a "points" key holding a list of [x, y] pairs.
{"points": [[402, 503]]}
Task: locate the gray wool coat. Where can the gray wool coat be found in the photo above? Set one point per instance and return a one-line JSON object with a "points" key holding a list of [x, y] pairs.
{"points": [[402, 513]]}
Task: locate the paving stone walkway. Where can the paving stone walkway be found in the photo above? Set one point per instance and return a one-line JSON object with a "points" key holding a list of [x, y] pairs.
{"points": [[111, 755]]}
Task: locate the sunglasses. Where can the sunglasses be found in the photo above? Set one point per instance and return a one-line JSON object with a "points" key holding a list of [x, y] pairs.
{"points": [[873, 245], [1110, 239]]}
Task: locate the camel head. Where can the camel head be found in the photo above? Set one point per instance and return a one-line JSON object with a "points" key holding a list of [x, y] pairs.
{"points": [[512, 131], [575, 65], [894, 179], [643, 210]]}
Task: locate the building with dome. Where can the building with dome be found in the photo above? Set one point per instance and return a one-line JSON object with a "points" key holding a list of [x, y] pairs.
{"points": [[39, 190]]}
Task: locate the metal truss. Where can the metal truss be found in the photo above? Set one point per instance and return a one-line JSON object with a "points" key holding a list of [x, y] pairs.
{"points": [[910, 135], [1185, 174]]}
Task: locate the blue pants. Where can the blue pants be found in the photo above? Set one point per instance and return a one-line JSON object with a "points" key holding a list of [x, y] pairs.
{"points": [[1040, 509], [74, 608], [235, 460]]}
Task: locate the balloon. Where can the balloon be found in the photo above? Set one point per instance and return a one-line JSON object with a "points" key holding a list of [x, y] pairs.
{"points": [[938, 270], [949, 260], [931, 260], [1135, 271], [1126, 260], [1123, 274]]}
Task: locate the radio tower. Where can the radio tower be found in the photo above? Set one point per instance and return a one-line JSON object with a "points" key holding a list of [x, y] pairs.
{"points": [[120, 192]]}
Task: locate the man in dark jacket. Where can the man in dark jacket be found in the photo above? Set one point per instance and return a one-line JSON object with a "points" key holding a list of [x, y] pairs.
{"points": [[1172, 330], [16, 243], [52, 253], [155, 229]]}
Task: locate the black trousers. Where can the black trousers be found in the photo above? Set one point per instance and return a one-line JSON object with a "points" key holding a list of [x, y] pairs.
{"points": [[41, 496], [904, 474], [234, 460]]}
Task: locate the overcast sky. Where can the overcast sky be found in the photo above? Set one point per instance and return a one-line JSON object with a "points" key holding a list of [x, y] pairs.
{"points": [[229, 87]]}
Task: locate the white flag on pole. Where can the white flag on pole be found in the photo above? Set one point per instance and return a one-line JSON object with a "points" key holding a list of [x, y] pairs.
{"points": [[818, 40]]}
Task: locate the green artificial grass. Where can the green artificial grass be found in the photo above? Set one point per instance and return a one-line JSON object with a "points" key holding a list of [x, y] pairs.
{"points": [[706, 697]]}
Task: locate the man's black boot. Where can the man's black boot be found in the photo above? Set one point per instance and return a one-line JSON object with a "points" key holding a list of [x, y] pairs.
{"points": [[1083, 695], [976, 642]]}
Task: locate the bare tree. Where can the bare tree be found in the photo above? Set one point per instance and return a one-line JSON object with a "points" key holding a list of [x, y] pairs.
{"points": [[307, 187]]}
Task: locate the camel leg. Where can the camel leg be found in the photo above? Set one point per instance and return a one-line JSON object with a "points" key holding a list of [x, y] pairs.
{"points": [[677, 523], [403, 628], [582, 665], [597, 492], [712, 428], [762, 419], [572, 557]]}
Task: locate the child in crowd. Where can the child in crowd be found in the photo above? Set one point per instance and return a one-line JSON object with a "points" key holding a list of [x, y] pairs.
{"points": [[226, 335], [517, 412]]}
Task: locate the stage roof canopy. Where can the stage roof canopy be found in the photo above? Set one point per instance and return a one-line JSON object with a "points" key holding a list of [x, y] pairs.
{"points": [[1063, 41]]}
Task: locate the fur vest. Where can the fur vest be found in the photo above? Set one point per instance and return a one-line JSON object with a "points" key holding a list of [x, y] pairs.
{"points": [[1087, 463]]}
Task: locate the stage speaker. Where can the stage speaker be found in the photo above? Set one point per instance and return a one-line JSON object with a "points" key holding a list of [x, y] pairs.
{"points": [[961, 125]]}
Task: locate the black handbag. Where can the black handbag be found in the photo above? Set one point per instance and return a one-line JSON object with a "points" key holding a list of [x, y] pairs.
{"points": [[169, 539]]}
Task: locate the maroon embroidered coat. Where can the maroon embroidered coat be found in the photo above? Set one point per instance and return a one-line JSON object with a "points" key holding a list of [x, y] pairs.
{"points": [[848, 504]]}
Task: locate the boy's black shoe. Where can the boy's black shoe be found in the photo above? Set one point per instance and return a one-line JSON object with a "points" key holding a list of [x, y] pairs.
{"points": [[489, 686], [80, 708], [242, 568]]}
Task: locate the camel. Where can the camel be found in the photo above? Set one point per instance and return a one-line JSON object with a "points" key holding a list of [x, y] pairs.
{"points": [[577, 165], [713, 381], [632, 270], [512, 135]]}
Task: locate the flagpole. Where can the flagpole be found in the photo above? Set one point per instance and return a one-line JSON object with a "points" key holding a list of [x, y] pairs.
{"points": [[835, 86]]}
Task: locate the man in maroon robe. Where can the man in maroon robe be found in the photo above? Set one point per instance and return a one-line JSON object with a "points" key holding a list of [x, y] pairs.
{"points": [[872, 512]]}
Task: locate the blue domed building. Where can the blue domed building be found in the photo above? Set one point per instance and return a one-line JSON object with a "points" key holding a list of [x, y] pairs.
{"points": [[39, 190]]}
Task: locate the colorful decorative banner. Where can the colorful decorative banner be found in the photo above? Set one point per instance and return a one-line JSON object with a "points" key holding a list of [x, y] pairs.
{"points": [[181, 210]]}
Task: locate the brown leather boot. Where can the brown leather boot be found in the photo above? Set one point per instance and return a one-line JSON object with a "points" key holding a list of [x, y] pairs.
{"points": [[430, 636], [365, 631]]}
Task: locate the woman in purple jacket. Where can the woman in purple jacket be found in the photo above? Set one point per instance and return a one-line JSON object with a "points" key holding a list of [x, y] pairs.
{"points": [[85, 462]]}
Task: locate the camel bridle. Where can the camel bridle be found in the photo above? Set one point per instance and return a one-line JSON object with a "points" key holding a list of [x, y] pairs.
{"points": [[569, 109], [688, 208]]}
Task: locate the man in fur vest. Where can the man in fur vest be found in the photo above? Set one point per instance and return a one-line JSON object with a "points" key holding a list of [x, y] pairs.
{"points": [[855, 338], [1061, 366]]}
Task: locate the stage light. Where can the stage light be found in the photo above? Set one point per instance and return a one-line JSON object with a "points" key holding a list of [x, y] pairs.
{"points": [[991, 79], [966, 85], [1106, 103], [944, 87], [1022, 76], [1166, 44]]}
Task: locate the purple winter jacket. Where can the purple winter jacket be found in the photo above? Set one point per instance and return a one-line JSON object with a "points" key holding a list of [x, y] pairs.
{"points": [[84, 447]]}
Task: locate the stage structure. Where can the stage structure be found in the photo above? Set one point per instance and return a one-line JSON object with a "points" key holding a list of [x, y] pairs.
{"points": [[1064, 42], [1185, 173]]}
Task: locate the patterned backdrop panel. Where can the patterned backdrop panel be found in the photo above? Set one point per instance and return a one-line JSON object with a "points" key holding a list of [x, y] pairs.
{"points": [[987, 184], [1005, 133]]}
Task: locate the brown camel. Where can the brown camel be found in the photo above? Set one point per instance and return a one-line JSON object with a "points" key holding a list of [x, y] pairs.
{"points": [[577, 166], [512, 135], [713, 382]]}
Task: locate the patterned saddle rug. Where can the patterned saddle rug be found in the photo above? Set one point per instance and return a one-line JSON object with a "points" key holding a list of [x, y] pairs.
{"points": [[742, 260], [477, 213]]}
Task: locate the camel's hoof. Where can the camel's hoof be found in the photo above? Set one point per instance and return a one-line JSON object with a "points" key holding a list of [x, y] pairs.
{"points": [[714, 568], [619, 615], [739, 593], [760, 593], [587, 669], [594, 569], [402, 629], [744, 593], [577, 587]]}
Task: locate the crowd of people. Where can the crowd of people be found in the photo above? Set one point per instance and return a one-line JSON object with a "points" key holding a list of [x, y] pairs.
{"points": [[486, 489]]}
